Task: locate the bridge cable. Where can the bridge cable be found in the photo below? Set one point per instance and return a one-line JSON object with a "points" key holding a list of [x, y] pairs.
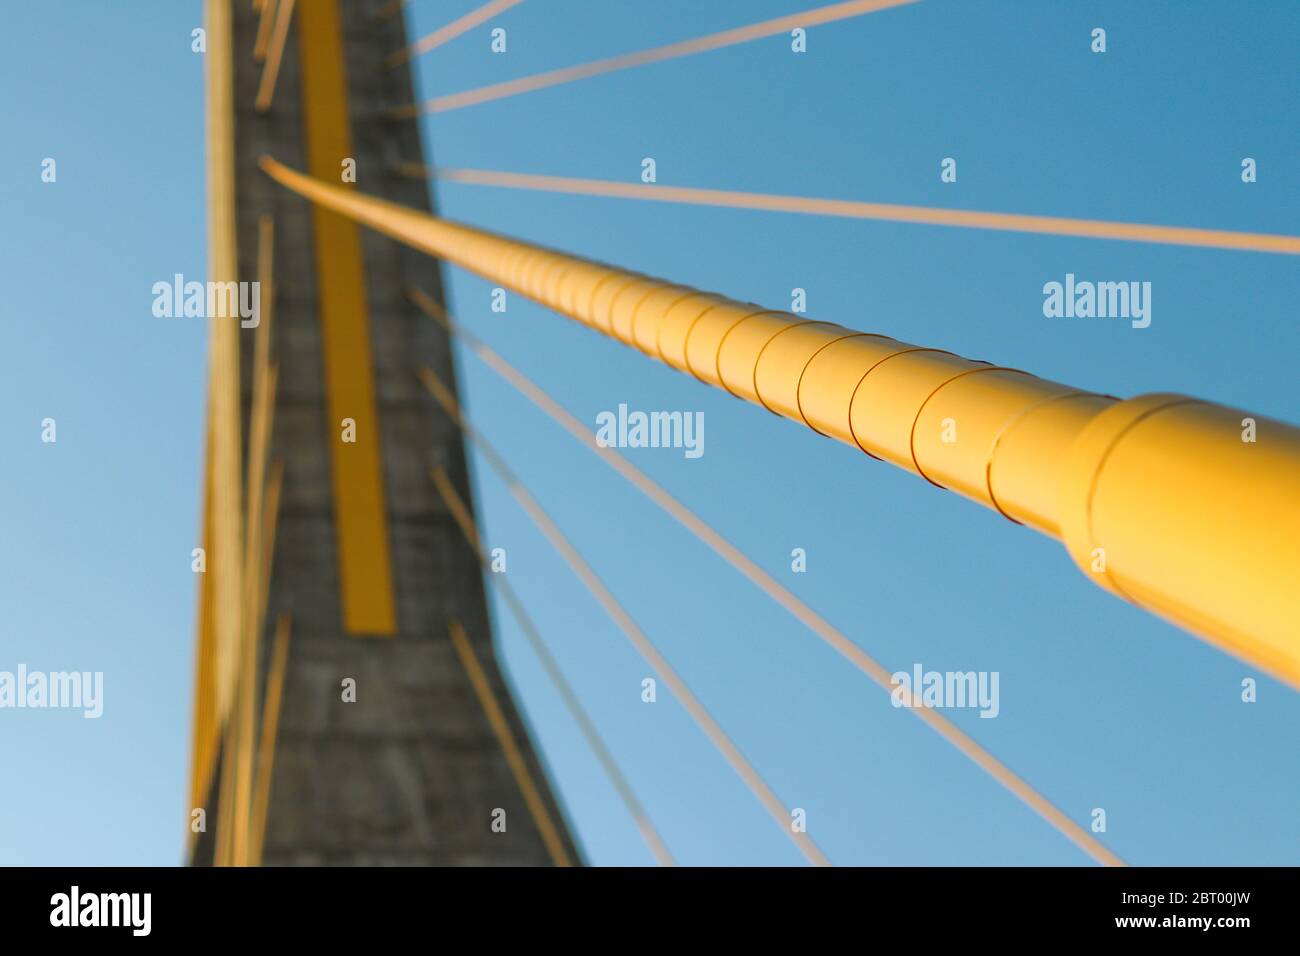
{"points": [[274, 56], [886, 212], [514, 757], [468, 246], [452, 30], [266, 17], [771, 587], [1035, 451], [713, 41], [272, 698]]}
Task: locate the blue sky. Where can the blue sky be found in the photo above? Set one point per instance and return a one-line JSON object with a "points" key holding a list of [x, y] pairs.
{"points": [[1101, 705]]}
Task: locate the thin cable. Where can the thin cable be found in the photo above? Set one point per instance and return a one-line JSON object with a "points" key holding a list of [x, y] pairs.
{"points": [[772, 588], [628, 626], [888, 212], [514, 758], [271, 701], [266, 11], [274, 55], [465, 521], [452, 30], [713, 41]]}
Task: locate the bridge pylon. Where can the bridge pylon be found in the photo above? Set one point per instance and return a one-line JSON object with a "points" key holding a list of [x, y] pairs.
{"points": [[338, 718]]}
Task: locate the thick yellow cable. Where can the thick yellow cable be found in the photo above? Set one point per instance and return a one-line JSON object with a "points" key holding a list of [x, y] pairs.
{"points": [[1188, 509], [206, 734], [224, 547], [778, 592], [465, 521], [587, 575]]}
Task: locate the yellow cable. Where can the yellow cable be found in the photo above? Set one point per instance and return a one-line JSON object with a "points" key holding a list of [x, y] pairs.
{"points": [[532, 797], [1212, 551], [274, 55], [266, 11], [782, 595], [271, 701]]}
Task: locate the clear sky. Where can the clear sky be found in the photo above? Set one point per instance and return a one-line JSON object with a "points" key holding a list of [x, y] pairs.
{"points": [[1101, 705]]}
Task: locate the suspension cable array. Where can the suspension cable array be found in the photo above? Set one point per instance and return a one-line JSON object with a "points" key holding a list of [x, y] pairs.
{"points": [[633, 631], [460, 511]]}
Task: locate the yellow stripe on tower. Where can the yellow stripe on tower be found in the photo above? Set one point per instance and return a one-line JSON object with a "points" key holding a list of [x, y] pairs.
{"points": [[360, 517]]}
